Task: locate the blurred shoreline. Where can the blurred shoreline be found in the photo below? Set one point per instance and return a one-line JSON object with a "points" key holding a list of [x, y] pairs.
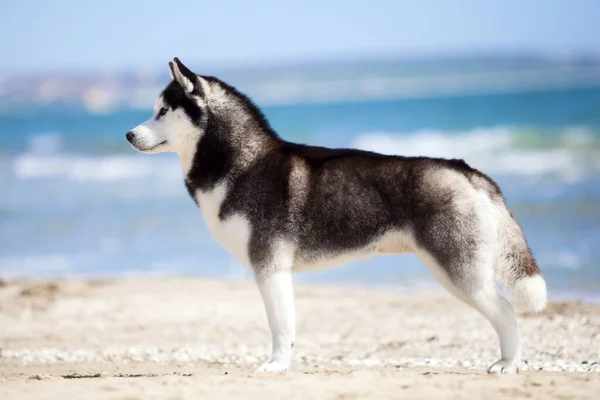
{"points": [[417, 285]]}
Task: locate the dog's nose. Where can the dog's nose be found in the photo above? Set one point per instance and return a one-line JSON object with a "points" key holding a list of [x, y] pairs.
{"points": [[130, 135]]}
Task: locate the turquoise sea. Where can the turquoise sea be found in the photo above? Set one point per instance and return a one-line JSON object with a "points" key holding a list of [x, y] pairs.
{"points": [[77, 200]]}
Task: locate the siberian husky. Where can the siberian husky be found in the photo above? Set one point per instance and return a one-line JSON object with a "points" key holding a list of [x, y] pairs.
{"points": [[279, 207]]}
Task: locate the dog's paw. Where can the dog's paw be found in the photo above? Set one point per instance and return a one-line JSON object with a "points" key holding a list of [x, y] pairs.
{"points": [[504, 367], [273, 367]]}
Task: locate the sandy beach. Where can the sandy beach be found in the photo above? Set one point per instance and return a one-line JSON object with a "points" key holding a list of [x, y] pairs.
{"points": [[185, 337]]}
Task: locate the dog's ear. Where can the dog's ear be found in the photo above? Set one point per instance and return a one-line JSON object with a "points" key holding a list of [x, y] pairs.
{"points": [[171, 71], [186, 78]]}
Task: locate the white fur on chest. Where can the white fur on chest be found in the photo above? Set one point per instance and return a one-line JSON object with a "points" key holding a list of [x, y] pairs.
{"points": [[233, 233]]}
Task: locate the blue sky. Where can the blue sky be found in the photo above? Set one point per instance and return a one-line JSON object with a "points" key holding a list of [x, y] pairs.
{"points": [[83, 34]]}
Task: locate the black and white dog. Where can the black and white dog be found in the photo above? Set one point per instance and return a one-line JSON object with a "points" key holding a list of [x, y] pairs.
{"points": [[280, 207]]}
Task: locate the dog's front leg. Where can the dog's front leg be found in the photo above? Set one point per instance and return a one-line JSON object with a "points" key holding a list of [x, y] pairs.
{"points": [[278, 296]]}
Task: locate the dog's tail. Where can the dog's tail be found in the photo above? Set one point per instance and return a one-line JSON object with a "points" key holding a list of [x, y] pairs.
{"points": [[516, 268]]}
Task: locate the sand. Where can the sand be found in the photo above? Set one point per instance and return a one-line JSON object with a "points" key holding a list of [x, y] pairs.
{"points": [[184, 337]]}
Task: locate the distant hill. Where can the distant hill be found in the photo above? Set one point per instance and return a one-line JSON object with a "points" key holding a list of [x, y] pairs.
{"points": [[310, 81]]}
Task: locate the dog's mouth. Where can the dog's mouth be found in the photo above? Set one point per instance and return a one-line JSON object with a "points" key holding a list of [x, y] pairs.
{"points": [[152, 148]]}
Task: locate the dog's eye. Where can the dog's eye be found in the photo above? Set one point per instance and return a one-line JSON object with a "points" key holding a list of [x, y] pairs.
{"points": [[162, 112]]}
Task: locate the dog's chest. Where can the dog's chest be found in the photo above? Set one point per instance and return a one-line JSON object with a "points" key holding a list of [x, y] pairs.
{"points": [[233, 232]]}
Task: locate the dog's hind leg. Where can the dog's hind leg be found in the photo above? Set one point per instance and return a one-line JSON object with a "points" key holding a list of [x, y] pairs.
{"points": [[500, 313], [277, 293], [474, 284]]}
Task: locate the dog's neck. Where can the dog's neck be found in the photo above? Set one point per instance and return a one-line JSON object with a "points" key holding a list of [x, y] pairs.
{"points": [[235, 135], [186, 154]]}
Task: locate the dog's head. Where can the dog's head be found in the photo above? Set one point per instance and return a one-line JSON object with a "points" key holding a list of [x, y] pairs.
{"points": [[179, 118]]}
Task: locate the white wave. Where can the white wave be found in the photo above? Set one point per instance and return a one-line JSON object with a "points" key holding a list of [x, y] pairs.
{"points": [[492, 150], [93, 168], [44, 159]]}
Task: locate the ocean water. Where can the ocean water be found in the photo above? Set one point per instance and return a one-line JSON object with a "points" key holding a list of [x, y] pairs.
{"points": [[77, 200]]}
